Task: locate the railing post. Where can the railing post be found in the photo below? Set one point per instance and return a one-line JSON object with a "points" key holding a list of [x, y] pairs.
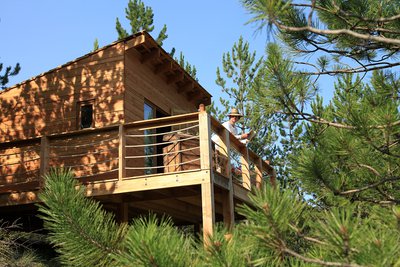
{"points": [[207, 186], [245, 168], [258, 166], [44, 158], [205, 140], [227, 200], [121, 152]]}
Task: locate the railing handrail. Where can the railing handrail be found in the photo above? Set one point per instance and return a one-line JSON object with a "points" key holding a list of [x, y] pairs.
{"points": [[197, 117], [159, 122], [218, 128]]}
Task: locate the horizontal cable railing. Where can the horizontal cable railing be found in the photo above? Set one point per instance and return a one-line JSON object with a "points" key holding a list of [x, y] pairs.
{"points": [[244, 165], [19, 164], [163, 145], [87, 156]]}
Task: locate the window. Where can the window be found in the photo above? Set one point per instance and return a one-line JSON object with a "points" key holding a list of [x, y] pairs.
{"points": [[149, 150], [86, 114], [153, 140]]}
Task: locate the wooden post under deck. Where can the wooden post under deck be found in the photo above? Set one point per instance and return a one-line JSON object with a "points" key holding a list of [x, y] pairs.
{"points": [[258, 167], [227, 197], [207, 186], [123, 212]]}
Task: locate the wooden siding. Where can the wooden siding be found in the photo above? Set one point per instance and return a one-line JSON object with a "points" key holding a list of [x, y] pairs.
{"points": [[142, 83], [47, 104]]}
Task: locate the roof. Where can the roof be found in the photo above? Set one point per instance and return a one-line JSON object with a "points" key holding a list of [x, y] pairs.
{"points": [[152, 53]]}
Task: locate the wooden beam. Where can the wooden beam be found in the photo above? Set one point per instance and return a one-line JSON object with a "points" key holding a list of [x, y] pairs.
{"points": [[241, 193], [154, 53], [135, 42], [121, 152], [258, 168], [244, 159], [161, 194], [21, 187], [227, 202], [176, 78], [164, 209], [205, 141], [186, 87], [123, 212], [192, 95], [208, 209], [44, 158], [164, 67], [150, 182], [19, 198]]}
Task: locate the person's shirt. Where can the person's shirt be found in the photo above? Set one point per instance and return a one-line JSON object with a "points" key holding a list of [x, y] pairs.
{"points": [[231, 128]]}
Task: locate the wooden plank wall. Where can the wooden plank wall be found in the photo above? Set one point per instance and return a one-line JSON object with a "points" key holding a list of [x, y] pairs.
{"points": [[142, 83], [19, 164], [91, 157], [47, 104]]}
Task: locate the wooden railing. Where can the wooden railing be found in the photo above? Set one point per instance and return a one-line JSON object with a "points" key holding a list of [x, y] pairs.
{"points": [[131, 150]]}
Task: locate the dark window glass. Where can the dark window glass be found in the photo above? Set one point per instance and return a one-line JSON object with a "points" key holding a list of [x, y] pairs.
{"points": [[86, 116], [149, 139], [148, 112]]}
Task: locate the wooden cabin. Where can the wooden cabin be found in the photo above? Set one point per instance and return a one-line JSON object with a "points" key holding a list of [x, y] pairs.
{"points": [[125, 119]]}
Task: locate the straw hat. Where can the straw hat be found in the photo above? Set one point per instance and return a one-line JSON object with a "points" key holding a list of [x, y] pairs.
{"points": [[235, 113]]}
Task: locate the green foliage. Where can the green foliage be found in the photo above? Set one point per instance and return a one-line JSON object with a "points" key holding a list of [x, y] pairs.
{"points": [[90, 236], [14, 251], [96, 44], [242, 72], [141, 18], [153, 242], [344, 154], [9, 71], [362, 32], [280, 229]]}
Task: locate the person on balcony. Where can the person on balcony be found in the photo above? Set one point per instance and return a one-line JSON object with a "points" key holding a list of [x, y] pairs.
{"points": [[234, 116]]}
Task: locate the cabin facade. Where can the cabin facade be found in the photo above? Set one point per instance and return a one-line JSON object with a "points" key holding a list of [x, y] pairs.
{"points": [[126, 120]]}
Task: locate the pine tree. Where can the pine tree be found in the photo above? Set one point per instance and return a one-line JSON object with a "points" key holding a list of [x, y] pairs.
{"points": [[140, 18], [280, 229], [96, 44], [346, 161], [9, 71], [241, 72], [350, 146]]}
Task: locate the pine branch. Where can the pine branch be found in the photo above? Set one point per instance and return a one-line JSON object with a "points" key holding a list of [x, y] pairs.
{"points": [[357, 190], [320, 262], [365, 68], [316, 119], [322, 32], [381, 19]]}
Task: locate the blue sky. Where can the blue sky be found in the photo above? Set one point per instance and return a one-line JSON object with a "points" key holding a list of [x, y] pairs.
{"points": [[44, 34]]}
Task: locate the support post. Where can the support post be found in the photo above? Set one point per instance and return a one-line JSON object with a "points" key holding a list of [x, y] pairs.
{"points": [[244, 159], [227, 197], [121, 152], [258, 166], [123, 212], [44, 158], [207, 186]]}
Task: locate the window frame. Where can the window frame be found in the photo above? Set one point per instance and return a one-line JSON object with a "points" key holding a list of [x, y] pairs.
{"points": [[81, 104]]}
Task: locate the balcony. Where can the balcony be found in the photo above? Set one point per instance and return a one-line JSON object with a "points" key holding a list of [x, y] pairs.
{"points": [[168, 165]]}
